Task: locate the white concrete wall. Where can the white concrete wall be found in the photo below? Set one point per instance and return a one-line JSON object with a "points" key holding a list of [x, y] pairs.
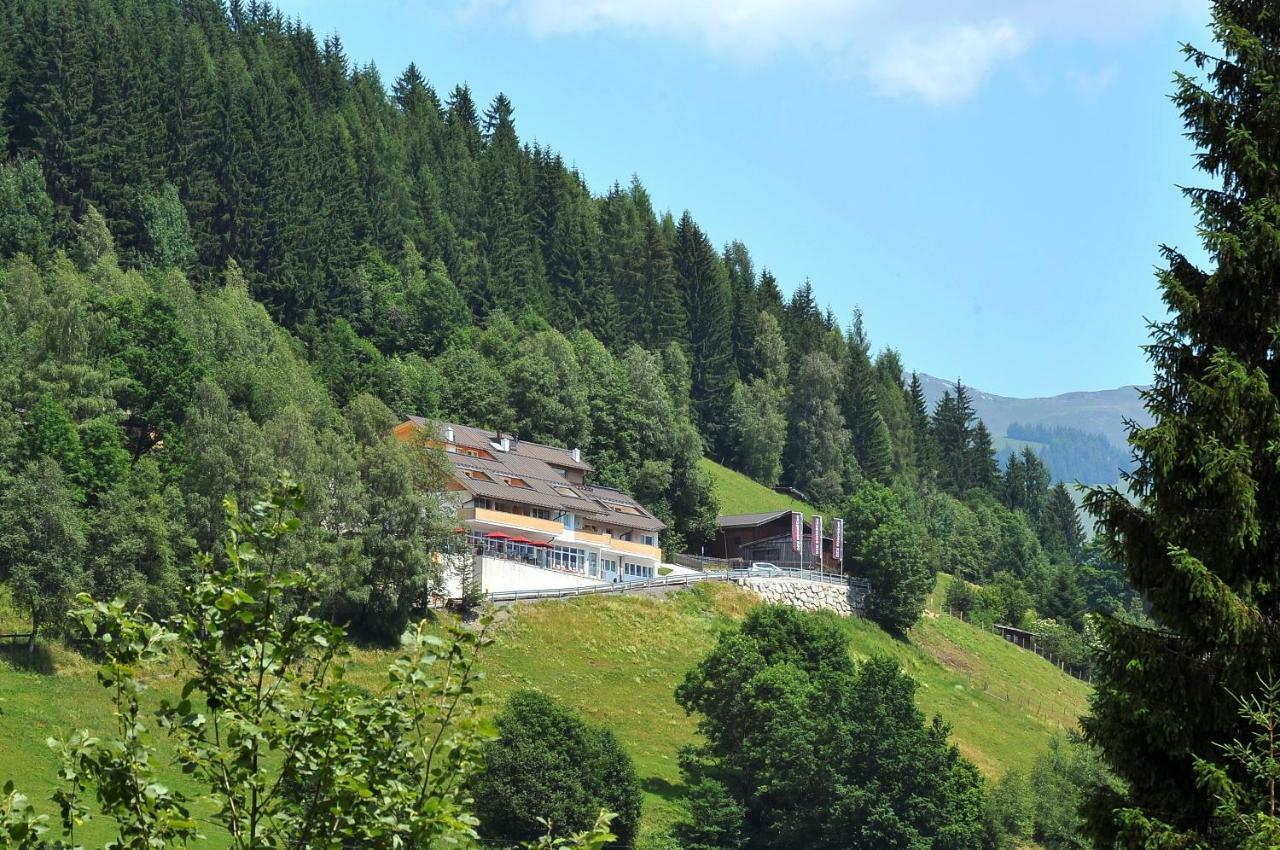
{"points": [[497, 575], [677, 570]]}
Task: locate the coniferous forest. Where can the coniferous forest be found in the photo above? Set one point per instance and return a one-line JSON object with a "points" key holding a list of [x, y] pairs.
{"points": [[227, 241], [231, 258]]}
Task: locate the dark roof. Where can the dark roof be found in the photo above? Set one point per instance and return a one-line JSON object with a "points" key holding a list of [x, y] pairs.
{"points": [[544, 487], [479, 438], [751, 520]]}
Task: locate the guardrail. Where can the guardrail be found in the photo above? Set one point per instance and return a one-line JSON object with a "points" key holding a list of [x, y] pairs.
{"points": [[803, 575], [611, 587], [662, 581]]}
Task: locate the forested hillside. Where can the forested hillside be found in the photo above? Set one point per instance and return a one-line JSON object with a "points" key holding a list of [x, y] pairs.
{"points": [[1073, 455], [228, 249]]}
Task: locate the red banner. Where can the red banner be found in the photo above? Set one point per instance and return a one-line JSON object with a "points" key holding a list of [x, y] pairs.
{"points": [[797, 530], [817, 537], [837, 540]]}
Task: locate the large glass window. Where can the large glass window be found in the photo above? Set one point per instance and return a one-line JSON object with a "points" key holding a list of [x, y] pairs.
{"points": [[636, 572], [566, 558]]}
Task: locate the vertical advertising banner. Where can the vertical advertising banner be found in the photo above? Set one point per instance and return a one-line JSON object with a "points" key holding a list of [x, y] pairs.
{"points": [[797, 530], [837, 540], [817, 537]]}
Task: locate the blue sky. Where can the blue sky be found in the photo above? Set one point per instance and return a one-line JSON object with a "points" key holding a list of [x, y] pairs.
{"points": [[988, 179]]}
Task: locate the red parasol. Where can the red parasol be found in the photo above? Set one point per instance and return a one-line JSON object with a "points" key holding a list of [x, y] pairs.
{"points": [[498, 535], [523, 540]]}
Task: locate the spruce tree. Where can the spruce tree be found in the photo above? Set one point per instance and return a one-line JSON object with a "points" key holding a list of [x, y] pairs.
{"points": [[867, 427], [818, 449], [953, 432], [768, 295], [922, 437], [705, 284], [1199, 535], [742, 288]]}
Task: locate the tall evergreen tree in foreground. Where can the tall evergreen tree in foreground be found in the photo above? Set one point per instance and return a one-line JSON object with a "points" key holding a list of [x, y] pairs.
{"points": [[1201, 538]]}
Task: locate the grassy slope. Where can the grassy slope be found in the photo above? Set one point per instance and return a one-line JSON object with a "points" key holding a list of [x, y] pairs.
{"points": [[618, 661], [738, 494]]}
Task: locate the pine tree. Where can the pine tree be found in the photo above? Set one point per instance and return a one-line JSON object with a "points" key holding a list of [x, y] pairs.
{"points": [[757, 422], [769, 296], [802, 324], [867, 427], [953, 432], [742, 288], [1062, 536], [1199, 535], [922, 438], [819, 448], [984, 469], [891, 395], [708, 303]]}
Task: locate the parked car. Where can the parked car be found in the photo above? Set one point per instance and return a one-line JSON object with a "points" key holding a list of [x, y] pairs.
{"points": [[762, 568]]}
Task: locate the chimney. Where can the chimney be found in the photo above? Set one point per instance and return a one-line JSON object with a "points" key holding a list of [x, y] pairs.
{"points": [[577, 455], [505, 444], [448, 434]]}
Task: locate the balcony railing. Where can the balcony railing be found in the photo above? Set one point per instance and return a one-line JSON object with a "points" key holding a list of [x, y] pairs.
{"points": [[510, 520]]}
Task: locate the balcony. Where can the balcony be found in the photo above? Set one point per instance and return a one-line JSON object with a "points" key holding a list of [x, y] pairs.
{"points": [[641, 549], [503, 519], [592, 538]]}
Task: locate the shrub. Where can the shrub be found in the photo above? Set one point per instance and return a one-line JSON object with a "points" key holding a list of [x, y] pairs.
{"points": [[548, 763], [961, 598]]}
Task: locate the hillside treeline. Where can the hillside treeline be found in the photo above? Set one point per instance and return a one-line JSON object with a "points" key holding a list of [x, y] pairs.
{"points": [[239, 251]]}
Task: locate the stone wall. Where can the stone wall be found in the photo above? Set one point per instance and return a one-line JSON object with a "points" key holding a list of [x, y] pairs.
{"points": [[807, 595]]}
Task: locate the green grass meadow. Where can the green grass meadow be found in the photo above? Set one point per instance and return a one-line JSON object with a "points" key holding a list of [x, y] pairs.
{"points": [[618, 660], [738, 494]]}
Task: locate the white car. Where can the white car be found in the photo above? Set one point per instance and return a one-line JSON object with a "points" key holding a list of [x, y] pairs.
{"points": [[761, 568]]}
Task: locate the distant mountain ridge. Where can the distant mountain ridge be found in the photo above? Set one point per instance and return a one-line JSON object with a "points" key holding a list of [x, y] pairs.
{"points": [[1102, 412]]}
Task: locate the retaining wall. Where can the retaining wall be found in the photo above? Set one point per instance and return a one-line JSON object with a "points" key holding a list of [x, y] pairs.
{"points": [[807, 595]]}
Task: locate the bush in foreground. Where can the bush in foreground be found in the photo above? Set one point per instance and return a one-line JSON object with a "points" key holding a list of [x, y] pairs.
{"points": [[806, 750], [547, 763], [288, 753]]}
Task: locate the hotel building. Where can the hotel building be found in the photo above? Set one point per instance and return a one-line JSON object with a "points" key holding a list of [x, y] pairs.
{"points": [[525, 506]]}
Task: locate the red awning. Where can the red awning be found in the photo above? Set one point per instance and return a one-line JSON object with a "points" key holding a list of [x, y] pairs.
{"points": [[523, 540], [498, 535], [543, 545]]}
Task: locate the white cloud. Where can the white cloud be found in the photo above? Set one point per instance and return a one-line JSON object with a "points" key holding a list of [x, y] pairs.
{"points": [[948, 66], [939, 51], [723, 24], [1095, 82]]}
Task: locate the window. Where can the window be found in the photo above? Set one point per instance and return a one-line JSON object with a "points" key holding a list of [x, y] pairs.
{"points": [[636, 572], [566, 491], [477, 475], [648, 540], [566, 558], [627, 509], [518, 482], [540, 513]]}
